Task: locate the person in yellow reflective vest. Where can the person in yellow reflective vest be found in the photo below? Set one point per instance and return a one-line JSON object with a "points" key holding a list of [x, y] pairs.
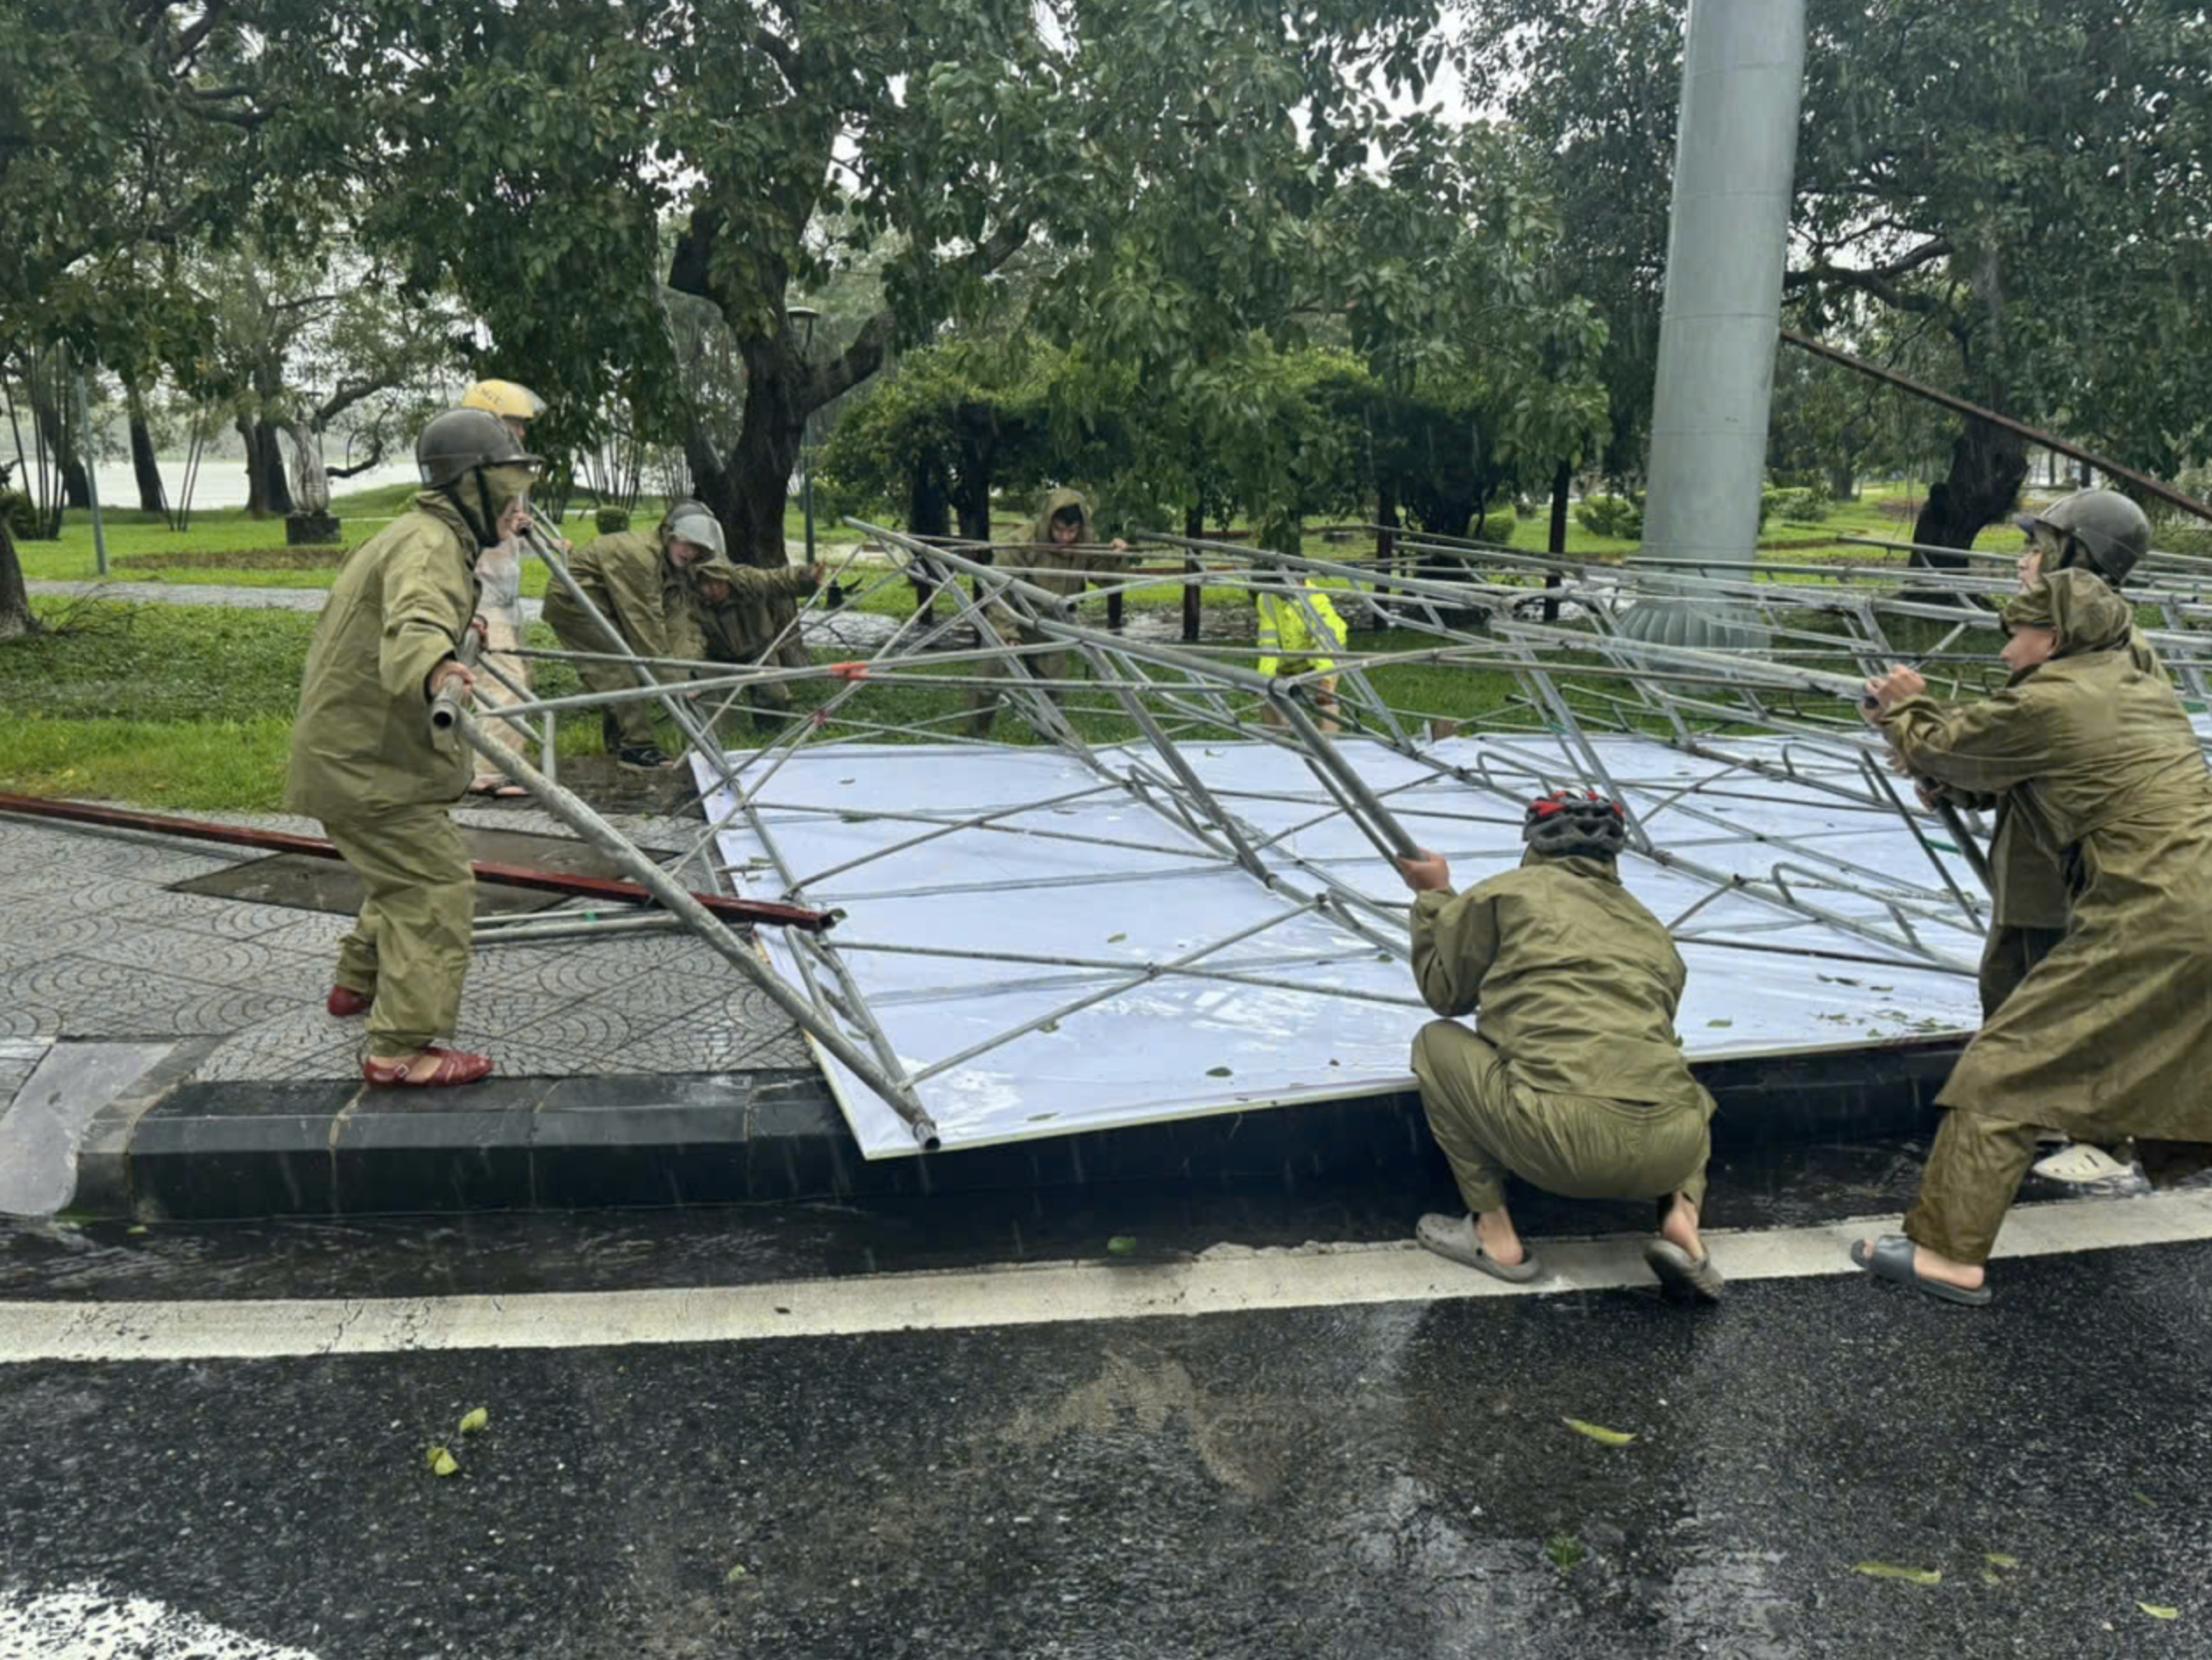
{"points": [[1297, 627]]}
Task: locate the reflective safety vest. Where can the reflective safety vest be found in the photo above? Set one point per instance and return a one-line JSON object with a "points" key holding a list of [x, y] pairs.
{"points": [[1289, 640]]}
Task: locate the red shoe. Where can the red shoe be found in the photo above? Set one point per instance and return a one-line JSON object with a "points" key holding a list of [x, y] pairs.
{"points": [[453, 1068], [345, 1003]]}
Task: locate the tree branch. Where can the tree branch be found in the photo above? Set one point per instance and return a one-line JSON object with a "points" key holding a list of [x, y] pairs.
{"points": [[854, 365]]}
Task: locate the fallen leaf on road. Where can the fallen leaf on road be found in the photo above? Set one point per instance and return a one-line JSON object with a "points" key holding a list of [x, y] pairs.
{"points": [[2146, 1500], [1219, 1072], [442, 1462], [1891, 1571], [1998, 1559], [1115, 939], [1599, 1432], [734, 1574], [477, 1420], [1991, 1579], [2158, 1612], [1121, 1244]]}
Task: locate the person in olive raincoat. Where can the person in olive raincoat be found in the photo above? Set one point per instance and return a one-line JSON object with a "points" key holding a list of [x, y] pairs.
{"points": [[1057, 551], [637, 580], [2102, 531], [2109, 1034], [734, 614], [1573, 1077], [365, 760]]}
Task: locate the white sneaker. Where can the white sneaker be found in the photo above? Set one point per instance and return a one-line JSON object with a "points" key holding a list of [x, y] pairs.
{"points": [[2080, 1162]]}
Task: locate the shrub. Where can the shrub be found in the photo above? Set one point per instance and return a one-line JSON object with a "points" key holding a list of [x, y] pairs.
{"points": [[1614, 516], [22, 517], [1811, 505], [609, 519], [1498, 525]]}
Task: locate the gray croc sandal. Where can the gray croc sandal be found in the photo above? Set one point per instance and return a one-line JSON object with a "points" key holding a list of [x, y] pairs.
{"points": [[1891, 1259], [1453, 1236], [1682, 1274]]}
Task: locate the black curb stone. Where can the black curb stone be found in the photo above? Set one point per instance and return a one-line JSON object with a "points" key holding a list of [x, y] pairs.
{"points": [[332, 1147]]}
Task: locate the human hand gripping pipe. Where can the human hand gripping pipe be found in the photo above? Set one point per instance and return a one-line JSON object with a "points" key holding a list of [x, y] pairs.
{"points": [[1778, 676]]}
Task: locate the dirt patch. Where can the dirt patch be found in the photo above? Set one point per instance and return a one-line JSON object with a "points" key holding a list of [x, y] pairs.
{"points": [[235, 559]]}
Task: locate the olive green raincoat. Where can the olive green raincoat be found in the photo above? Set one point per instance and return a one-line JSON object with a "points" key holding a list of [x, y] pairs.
{"points": [[1063, 572], [1574, 1077], [363, 762], [361, 741], [739, 628], [2110, 1034], [629, 580]]}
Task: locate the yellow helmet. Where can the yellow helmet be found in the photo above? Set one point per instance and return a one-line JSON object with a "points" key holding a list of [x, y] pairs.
{"points": [[504, 399]]}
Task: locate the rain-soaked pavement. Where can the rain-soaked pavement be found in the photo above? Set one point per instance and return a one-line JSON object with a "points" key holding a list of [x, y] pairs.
{"points": [[1387, 1480]]}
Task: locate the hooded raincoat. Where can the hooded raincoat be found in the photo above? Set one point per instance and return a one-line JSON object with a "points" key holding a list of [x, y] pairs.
{"points": [[1063, 572], [739, 628], [365, 763], [630, 581], [2110, 1034], [1574, 1077]]}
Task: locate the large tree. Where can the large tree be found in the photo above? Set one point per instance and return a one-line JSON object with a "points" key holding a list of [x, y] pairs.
{"points": [[532, 158], [128, 128], [2020, 182]]}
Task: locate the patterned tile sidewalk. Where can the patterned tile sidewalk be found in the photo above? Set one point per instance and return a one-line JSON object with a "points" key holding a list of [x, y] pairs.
{"points": [[93, 945]]}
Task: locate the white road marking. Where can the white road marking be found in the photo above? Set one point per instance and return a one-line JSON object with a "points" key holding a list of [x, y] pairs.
{"points": [[83, 1622], [1227, 1279]]}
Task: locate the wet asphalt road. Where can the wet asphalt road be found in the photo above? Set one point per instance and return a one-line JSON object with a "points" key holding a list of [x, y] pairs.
{"points": [[1380, 1480]]}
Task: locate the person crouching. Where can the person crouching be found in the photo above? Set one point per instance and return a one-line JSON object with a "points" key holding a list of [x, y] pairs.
{"points": [[1573, 1078]]}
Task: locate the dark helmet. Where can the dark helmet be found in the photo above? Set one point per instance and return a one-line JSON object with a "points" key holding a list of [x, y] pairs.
{"points": [[462, 446], [2101, 528], [458, 442], [1566, 825]]}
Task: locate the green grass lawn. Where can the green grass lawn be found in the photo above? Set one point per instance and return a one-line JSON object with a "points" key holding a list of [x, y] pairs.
{"points": [[190, 706]]}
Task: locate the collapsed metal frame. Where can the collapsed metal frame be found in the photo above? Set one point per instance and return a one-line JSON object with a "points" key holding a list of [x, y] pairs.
{"points": [[1775, 716]]}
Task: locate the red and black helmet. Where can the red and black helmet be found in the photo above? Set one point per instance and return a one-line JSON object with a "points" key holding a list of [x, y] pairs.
{"points": [[1565, 825]]}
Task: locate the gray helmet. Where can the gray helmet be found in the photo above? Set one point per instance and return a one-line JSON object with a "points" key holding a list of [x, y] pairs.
{"points": [[2101, 528], [1566, 825], [690, 521], [458, 442]]}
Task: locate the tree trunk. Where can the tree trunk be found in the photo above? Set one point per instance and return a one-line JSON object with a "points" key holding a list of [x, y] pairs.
{"points": [[310, 480], [151, 497], [1194, 527], [16, 620], [276, 487], [928, 514], [257, 494], [1563, 484], [64, 444], [1988, 467]]}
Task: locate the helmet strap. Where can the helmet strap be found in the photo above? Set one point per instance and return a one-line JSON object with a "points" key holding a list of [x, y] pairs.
{"points": [[485, 532]]}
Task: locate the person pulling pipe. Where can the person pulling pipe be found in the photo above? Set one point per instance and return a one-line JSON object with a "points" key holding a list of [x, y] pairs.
{"points": [[2109, 1033], [367, 763]]}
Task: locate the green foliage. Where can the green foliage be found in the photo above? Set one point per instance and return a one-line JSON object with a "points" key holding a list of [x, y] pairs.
{"points": [[18, 513], [607, 520], [127, 129], [1615, 516], [1806, 504], [1988, 191]]}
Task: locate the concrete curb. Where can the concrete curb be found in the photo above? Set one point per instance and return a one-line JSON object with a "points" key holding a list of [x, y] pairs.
{"points": [[332, 1147]]}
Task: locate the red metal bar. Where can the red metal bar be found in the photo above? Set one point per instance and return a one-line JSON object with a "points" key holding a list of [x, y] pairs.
{"points": [[513, 876]]}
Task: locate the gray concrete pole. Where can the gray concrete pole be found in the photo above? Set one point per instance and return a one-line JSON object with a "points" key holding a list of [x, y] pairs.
{"points": [[1735, 153]]}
